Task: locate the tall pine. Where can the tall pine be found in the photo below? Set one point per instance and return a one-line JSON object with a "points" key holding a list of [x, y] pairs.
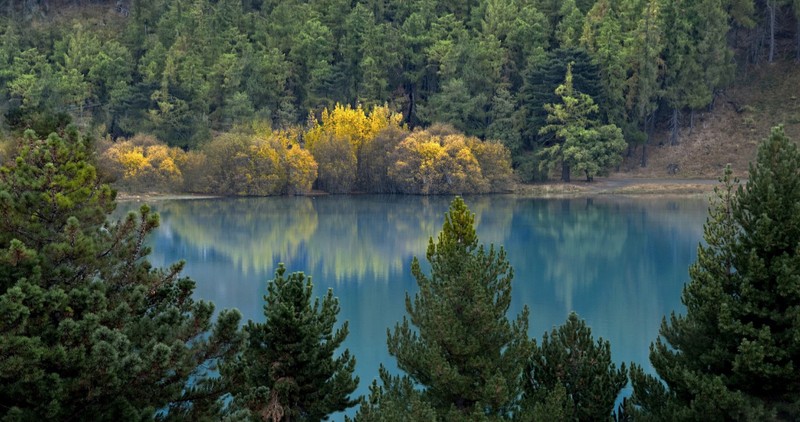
{"points": [[734, 355], [457, 343]]}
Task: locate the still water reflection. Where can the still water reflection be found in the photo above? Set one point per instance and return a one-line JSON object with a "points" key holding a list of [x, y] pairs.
{"points": [[619, 262]]}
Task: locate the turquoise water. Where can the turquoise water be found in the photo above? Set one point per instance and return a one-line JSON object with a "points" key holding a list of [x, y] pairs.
{"points": [[619, 262]]}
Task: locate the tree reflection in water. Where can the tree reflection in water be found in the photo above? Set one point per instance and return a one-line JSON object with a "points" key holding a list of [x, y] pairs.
{"points": [[619, 262]]}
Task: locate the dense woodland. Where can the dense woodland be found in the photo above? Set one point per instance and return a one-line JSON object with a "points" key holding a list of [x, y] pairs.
{"points": [[185, 73]]}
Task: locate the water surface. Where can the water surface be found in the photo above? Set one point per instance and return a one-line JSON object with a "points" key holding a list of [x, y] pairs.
{"points": [[619, 262]]}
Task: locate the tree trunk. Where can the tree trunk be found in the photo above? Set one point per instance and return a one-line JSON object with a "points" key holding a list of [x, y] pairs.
{"points": [[565, 172], [771, 11], [797, 36], [410, 107], [647, 131], [644, 155], [673, 123]]}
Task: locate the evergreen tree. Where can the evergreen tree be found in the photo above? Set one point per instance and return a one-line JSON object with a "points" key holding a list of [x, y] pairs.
{"points": [[571, 360], [502, 126], [90, 331], [645, 45], [396, 401], [569, 30], [734, 354], [540, 83], [604, 39], [288, 371], [464, 352], [580, 143]]}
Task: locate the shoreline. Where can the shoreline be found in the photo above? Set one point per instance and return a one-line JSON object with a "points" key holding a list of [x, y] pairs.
{"points": [[602, 187]]}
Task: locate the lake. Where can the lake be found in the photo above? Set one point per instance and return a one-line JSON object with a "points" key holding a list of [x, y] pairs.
{"points": [[619, 262]]}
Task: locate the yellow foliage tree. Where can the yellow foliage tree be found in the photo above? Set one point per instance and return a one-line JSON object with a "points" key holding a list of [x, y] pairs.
{"points": [[258, 164], [301, 167], [337, 164], [131, 159], [144, 163], [302, 170], [347, 133], [265, 171], [440, 160], [376, 160], [495, 161], [427, 164]]}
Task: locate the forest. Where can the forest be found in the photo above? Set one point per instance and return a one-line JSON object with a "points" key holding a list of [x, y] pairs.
{"points": [[238, 80]]}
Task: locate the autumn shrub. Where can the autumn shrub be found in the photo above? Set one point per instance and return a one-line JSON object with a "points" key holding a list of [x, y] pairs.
{"points": [[143, 163], [375, 160], [195, 172], [495, 161], [301, 170], [342, 140], [255, 165], [427, 164], [337, 164]]}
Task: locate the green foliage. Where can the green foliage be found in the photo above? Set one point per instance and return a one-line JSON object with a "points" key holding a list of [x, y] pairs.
{"points": [[463, 351], [645, 46], [287, 370], [734, 349], [91, 331], [540, 83], [571, 360], [604, 39], [394, 401], [580, 142]]}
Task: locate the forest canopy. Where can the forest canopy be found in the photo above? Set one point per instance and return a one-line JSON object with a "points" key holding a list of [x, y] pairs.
{"points": [[188, 72]]}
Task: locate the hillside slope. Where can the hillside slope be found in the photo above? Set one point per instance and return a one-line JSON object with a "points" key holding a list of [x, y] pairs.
{"points": [[762, 97]]}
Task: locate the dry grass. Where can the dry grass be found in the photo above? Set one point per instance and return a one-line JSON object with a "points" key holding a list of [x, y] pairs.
{"points": [[763, 97], [619, 186], [665, 188], [551, 189]]}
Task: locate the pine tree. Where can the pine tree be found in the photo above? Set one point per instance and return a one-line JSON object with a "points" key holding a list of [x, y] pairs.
{"points": [[645, 45], [571, 360], [464, 352], [396, 400], [90, 331], [734, 355], [580, 142], [541, 80], [603, 37], [288, 371]]}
